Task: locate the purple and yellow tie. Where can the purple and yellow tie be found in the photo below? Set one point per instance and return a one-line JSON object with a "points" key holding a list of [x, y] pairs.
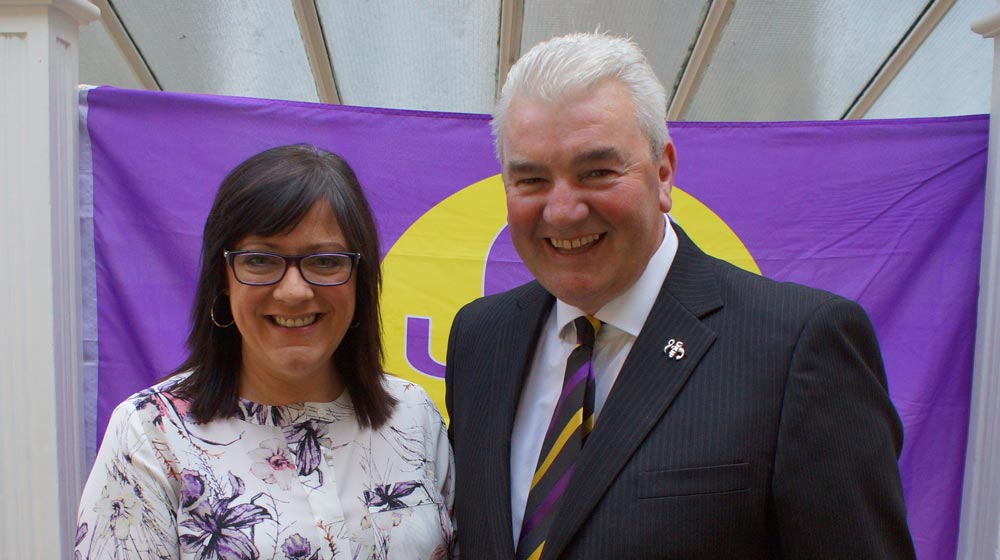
{"points": [[571, 423]]}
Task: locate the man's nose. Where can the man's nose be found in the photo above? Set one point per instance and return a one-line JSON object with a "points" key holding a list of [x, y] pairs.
{"points": [[565, 205]]}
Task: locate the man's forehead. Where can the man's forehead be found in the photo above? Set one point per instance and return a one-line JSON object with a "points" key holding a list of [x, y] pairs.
{"points": [[526, 107], [600, 104]]}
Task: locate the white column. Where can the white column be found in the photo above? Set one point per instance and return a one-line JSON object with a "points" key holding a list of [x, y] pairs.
{"points": [[41, 418], [979, 533]]}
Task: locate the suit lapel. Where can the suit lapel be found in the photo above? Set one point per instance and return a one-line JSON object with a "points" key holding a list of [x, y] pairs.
{"points": [[516, 336], [646, 386]]}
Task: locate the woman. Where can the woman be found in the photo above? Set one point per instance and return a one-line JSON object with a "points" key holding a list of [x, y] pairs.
{"points": [[280, 436]]}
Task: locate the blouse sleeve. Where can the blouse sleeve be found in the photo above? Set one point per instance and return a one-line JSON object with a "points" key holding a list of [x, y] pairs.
{"points": [[444, 473], [128, 506]]}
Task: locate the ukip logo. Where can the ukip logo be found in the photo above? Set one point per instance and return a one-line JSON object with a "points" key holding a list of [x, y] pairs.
{"points": [[459, 250]]}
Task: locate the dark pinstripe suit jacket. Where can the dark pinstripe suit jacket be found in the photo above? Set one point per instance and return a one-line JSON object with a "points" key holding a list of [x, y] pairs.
{"points": [[773, 437]]}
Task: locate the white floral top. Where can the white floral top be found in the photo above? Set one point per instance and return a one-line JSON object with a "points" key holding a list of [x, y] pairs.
{"points": [[297, 482]]}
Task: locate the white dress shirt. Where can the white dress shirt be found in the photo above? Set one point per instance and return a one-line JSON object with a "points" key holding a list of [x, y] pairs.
{"points": [[623, 318]]}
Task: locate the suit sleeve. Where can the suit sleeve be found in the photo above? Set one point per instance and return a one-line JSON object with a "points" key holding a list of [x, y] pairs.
{"points": [[837, 491]]}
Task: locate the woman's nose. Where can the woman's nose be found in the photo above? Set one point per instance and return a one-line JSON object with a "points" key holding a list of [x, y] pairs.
{"points": [[293, 286]]}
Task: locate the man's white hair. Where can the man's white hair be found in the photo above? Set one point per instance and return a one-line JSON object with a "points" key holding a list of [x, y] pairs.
{"points": [[565, 66]]}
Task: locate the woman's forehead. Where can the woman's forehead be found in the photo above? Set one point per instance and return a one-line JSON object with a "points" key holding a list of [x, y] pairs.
{"points": [[318, 228]]}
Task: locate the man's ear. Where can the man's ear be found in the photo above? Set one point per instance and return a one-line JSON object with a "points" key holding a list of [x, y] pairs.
{"points": [[667, 168]]}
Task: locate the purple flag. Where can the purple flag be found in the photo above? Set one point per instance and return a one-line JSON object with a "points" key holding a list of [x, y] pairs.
{"points": [[888, 213]]}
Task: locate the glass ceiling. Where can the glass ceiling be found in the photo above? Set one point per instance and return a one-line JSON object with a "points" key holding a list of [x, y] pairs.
{"points": [[747, 60]]}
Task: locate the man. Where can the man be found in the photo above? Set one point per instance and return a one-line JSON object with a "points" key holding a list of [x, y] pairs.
{"points": [[715, 414]]}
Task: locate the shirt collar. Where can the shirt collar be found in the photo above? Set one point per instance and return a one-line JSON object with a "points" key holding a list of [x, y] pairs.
{"points": [[628, 311]]}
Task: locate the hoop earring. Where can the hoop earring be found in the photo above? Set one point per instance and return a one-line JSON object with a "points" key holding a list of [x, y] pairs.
{"points": [[215, 322]]}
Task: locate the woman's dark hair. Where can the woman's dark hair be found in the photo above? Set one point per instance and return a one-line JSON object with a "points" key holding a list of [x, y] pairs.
{"points": [[266, 195]]}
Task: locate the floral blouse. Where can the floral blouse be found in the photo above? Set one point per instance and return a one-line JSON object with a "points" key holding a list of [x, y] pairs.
{"points": [[296, 482]]}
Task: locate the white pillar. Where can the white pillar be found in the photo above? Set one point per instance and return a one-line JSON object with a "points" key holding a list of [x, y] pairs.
{"points": [[979, 533], [41, 419]]}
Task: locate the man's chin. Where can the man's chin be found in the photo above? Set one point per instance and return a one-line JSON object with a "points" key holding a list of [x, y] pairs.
{"points": [[583, 296]]}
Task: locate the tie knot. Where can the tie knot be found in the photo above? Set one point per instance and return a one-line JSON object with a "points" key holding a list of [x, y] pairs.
{"points": [[587, 327]]}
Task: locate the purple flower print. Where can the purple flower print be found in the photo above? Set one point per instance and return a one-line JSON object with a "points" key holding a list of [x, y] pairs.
{"points": [[218, 529], [296, 547], [388, 497], [308, 452], [81, 533], [273, 463], [260, 413], [192, 488]]}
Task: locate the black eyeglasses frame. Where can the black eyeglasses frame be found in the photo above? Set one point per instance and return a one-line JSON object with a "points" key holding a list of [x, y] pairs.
{"points": [[230, 257]]}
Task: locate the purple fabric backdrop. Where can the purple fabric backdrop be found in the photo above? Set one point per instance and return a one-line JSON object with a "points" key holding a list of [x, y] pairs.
{"points": [[888, 213]]}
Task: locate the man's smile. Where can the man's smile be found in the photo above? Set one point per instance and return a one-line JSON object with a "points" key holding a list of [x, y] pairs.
{"points": [[563, 245]]}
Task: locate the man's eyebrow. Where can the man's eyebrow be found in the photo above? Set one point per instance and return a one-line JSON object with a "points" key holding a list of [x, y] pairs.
{"points": [[525, 167], [599, 154]]}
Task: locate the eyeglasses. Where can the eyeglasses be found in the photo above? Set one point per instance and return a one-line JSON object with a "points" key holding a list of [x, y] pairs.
{"points": [[258, 268]]}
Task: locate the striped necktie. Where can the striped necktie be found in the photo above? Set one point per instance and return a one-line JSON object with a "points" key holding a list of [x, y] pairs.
{"points": [[571, 423]]}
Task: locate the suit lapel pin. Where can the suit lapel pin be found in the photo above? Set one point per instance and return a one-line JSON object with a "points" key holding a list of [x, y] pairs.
{"points": [[674, 349]]}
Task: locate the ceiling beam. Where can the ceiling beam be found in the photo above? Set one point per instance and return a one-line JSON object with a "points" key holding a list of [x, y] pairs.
{"points": [[704, 46], [927, 22], [314, 41], [511, 26], [123, 41]]}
